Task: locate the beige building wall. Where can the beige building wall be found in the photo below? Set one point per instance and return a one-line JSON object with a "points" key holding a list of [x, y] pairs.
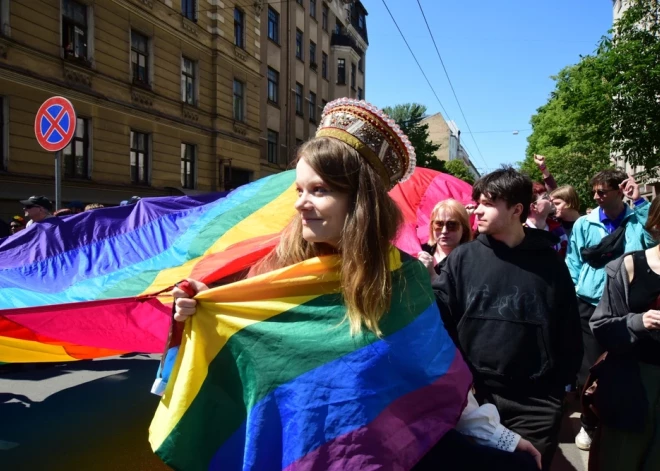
{"points": [[448, 137], [341, 35], [439, 133], [34, 67]]}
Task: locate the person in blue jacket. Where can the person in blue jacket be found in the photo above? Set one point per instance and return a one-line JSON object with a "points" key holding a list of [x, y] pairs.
{"points": [[610, 187]]}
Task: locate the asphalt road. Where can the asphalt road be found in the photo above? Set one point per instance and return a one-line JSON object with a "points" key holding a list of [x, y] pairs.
{"points": [[89, 415], [95, 415]]}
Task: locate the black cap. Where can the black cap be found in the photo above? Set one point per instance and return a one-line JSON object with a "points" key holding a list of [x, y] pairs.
{"points": [[38, 201]]}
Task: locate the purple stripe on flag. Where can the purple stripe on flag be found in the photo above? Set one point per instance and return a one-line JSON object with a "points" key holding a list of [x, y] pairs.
{"points": [[420, 418], [54, 236]]}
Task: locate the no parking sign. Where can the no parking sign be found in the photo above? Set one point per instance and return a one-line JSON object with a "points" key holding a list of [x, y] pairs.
{"points": [[54, 127], [55, 124]]}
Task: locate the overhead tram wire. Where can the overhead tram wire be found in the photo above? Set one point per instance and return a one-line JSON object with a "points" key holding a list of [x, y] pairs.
{"points": [[415, 57], [450, 84]]}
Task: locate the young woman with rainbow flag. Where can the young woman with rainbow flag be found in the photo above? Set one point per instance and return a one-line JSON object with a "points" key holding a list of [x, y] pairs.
{"points": [[331, 354]]}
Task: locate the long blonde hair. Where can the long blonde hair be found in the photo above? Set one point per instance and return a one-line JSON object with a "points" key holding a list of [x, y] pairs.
{"points": [[370, 226], [456, 210]]}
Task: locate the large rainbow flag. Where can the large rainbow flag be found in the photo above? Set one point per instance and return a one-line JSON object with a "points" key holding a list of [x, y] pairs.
{"points": [[89, 285], [269, 378], [85, 286], [267, 375]]}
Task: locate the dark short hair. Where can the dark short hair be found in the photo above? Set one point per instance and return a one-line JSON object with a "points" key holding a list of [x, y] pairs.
{"points": [[610, 177], [653, 221], [506, 184]]}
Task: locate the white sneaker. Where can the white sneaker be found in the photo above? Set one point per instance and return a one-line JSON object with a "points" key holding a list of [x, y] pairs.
{"points": [[583, 439]]}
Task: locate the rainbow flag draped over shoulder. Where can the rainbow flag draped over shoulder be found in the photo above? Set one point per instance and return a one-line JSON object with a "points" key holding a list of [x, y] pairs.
{"points": [[268, 377], [84, 287]]}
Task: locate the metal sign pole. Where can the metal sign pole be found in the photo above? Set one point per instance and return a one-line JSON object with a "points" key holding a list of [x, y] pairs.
{"points": [[58, 157]]}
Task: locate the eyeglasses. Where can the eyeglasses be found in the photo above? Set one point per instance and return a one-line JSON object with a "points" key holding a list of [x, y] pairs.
{"points": [[29, 206], [544, 196], [450, 225], [603, 193]]}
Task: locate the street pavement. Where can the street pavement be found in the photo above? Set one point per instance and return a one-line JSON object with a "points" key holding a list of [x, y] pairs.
{"points": [[95, 415], [88, 415]]}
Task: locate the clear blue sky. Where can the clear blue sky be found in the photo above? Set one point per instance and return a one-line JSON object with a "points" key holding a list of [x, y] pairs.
{"points": [[500, 56]]}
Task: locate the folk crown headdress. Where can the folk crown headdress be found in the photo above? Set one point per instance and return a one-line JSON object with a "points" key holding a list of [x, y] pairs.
{"points": [[373, 134]]}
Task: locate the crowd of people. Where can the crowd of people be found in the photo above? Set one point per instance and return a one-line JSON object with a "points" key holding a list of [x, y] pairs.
{"points": [[539, 298]]}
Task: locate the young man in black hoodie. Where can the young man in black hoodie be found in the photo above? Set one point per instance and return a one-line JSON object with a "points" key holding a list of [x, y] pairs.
{"points": [[512, 304]]}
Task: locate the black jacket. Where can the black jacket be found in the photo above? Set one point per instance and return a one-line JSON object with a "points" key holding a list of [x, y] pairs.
{"points": [[621, 398], [514, 311], [430, 249]]}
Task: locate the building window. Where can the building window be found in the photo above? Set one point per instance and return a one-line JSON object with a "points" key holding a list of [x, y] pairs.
{"points": [[3, 132], [324, 17], [273, 25], [189, 9], [139, 158], [299, 44], [361, 62], [312, 8], [74, 29], [324, 65], [300, 2], [76, 154], [235, 177], [5, 27], [338, 27], [341, 72], [273, 85], [323, 104], [273, 146], [361, 20], [353, 75], [140, 58], [239, 100], [360, 94], [312, 107], [299, 99], [312, 54], [239, 28], [187, 165], [188, 81]]}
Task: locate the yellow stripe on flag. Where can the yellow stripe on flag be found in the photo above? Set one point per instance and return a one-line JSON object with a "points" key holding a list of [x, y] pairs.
{"points": [[270, 219], [29, 351]]}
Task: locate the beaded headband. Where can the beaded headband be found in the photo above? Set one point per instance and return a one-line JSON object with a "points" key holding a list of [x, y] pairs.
{"points": [[373, 134]]}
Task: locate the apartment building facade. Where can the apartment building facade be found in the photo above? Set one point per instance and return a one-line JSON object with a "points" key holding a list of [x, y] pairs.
{"points": [[313, 52], [167, 93]]}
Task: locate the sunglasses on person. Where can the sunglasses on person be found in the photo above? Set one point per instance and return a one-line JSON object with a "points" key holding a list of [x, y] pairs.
{"points": [[603, 193], [544, 196], [30, 206], [452, 226]]}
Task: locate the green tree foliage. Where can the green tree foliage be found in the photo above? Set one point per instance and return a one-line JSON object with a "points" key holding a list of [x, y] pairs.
{"points": [[572, 130], [632, 55], [409, 116], [458, 169], [606, 104]]}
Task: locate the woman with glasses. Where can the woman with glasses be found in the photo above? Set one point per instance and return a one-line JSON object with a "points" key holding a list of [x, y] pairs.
{"points": [[449, 228]]}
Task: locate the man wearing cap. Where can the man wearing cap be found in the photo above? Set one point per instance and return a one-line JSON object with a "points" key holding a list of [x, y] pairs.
{"points": [[37, 208]]}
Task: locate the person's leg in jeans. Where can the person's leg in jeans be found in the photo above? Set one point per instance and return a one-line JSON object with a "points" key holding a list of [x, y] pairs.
{"points": [[592, 350], [455, 452], [535, 418]]}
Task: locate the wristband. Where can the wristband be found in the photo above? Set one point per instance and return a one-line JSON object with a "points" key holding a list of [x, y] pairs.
{"points": [[542, 167]]}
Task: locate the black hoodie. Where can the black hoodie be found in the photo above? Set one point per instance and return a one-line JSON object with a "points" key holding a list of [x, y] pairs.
{"points": [[514, 312]]}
